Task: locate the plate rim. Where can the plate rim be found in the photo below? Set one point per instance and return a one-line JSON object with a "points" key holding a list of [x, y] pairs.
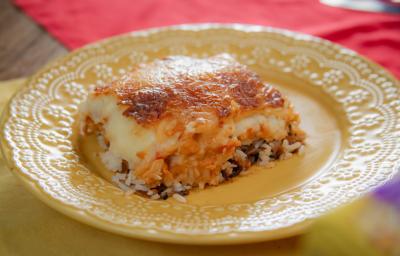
{"points": [[169, 237]]}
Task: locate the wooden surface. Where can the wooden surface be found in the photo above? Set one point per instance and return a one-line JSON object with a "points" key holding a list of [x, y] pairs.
{"points": [[24, 45]]}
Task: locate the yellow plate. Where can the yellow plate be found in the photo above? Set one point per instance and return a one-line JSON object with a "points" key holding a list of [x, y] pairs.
{"points": [[349, 108]]}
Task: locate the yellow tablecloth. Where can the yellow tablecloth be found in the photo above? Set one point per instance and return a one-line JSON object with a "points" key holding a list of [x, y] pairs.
{"points": [[29, 227]]}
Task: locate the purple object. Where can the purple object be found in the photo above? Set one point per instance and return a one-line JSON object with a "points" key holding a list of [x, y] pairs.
{"points": [[389, 193]]}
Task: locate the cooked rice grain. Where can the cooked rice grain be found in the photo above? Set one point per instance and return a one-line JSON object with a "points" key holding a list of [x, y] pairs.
{"points": [[259, 152], [179, 198]]}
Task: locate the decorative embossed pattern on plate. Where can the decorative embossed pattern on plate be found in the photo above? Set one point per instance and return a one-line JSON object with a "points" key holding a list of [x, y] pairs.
{"points": [[41, 141]]}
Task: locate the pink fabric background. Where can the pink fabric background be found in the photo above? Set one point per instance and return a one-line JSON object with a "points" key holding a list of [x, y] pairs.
{"points": [[78, 22]]}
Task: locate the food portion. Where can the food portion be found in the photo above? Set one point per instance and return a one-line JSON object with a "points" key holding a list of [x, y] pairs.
{"points": [[179, 123]]}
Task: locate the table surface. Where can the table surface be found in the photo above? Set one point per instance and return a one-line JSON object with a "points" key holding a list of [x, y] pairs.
{"points": [[24, 45]]}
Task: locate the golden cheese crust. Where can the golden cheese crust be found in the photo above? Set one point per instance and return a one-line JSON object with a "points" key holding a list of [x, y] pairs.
{"points": [[184, 86], [190, 121]]}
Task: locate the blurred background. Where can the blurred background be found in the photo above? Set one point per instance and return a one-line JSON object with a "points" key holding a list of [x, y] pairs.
{"points": [[32, 32]]}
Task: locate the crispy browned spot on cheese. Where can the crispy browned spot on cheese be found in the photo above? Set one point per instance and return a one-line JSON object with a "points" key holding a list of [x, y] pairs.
{"points": [[179, 84]]}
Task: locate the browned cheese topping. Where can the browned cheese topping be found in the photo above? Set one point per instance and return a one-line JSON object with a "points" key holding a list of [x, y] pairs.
{"points": [[184, 86]]}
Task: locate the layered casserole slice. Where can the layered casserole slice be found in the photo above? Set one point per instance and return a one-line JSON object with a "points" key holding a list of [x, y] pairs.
{"points": [[180, 122]]}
